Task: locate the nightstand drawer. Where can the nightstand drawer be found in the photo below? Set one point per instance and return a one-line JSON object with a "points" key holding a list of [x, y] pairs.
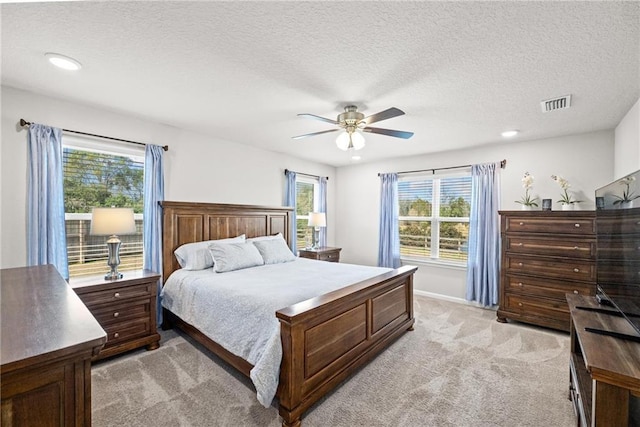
{"points": [[114, 313], [330, 256], [124, 331], [120, 293]]}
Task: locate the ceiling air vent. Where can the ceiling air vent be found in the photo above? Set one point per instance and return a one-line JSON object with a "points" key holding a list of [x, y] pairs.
{"points": [[556, 103]]}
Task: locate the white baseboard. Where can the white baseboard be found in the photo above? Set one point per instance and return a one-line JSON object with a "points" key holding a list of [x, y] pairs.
{"points": [[451, 299]]}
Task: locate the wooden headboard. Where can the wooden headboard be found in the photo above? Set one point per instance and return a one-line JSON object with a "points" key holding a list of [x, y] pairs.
{"points": [[186, 222]]}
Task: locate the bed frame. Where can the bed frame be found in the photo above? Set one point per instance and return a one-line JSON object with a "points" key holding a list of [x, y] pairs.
{"points": [[324, 339]]}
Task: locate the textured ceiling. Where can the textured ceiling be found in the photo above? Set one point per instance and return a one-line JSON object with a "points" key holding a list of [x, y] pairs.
{"points": [[462, 71]]}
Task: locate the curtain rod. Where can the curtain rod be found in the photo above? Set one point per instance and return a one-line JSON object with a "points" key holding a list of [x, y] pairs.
{"points": [[305, 174], [503, 164], [24, 123]]}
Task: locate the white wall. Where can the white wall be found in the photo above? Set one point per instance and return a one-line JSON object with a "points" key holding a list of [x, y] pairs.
{"points": [[627, 143], [586, 160], [197, 167]]}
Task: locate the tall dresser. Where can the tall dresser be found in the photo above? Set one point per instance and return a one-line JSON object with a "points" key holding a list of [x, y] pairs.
{"points": [[545, 255]]}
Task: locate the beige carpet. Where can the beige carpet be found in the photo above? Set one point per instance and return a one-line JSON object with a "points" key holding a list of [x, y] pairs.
{"points": [[458, 368]]}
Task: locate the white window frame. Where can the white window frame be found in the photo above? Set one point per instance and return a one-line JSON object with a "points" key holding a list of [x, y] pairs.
{"points": [[435, 220], [90, 144]]}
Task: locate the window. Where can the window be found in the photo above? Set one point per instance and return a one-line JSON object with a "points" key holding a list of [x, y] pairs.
{"points": [[100, 175], [306, 201], [434, 218]]}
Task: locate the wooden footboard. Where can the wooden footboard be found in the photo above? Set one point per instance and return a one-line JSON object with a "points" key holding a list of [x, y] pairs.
{"points": [[326, 339]]}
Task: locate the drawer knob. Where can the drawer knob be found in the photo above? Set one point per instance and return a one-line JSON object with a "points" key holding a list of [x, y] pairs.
{"points": [[519, 304], [116, 295], [575, 248], [576, 270], [519, 264], [116, 314], [521, 223], [519, 244], [519, 283], [576, 225], [116, 335], [576, 292]]}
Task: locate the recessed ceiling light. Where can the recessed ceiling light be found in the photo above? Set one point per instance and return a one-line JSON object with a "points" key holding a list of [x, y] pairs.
{"points": [[509, 133], [356, 158], [63, 62]]}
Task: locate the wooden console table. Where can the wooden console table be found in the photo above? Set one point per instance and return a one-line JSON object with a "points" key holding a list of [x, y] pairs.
{"points": [[48, 340], [604, 371]]}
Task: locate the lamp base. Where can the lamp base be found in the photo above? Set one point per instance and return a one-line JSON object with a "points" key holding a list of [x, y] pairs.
{"points": [[114, 275], [114, 258], [316, 239]]}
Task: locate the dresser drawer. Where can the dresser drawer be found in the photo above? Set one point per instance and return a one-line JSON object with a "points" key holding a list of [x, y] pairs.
{"points": [[535, 306], [549, 288], [554, 225], [570, 269], [552, 246], [95, 297], [121, 332], [128, 310]]}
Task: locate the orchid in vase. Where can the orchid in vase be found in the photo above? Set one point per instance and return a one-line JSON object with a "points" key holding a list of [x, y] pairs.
{"points": [[565, 198], [527, 184], [627, 195]]}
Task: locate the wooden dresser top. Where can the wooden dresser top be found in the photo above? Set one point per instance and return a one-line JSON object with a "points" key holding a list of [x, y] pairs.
{"points": [[42, 318]]}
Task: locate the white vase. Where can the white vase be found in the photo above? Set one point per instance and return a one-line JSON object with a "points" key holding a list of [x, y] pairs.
{"points": [[526, 207], [568, 206], [626, 205]]}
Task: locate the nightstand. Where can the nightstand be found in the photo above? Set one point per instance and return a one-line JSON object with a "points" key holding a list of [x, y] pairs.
{"points": [[125, 308], [323, 254]]}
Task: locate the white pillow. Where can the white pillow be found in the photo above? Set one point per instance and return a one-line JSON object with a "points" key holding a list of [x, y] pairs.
{"points": [[196, 256], [260, 238], [274, 251], [234, 256]]}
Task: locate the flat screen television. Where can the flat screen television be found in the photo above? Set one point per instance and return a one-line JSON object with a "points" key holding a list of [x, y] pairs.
{"points": [[618, 248]]}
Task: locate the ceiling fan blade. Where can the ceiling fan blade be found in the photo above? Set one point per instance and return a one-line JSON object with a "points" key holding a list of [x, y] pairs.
{"points": [[389, 132], [323, 119], [314, 133], [383, 115]]}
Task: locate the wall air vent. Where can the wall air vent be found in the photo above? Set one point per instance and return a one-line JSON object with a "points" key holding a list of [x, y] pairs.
{"points": [[556, 104]]}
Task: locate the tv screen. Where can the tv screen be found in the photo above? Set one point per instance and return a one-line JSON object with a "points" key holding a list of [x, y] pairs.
{"points": [[618, 243]]}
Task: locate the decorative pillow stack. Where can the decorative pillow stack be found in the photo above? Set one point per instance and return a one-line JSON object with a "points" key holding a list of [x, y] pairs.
{"points": [[234, 253]]}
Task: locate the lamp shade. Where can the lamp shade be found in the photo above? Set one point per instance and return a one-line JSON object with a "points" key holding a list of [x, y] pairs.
{"points": [[317, 219], [108, 221]]}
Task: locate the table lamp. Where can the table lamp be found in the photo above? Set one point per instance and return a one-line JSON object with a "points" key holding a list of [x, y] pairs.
{"points": [[111, 222], [317, 220]]}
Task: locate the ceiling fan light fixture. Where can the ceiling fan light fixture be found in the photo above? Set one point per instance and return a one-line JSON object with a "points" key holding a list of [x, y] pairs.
{"points": [[350, 140]]}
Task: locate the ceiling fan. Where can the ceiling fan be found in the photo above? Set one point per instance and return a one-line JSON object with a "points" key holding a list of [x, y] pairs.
{"points": [[353, 123]]}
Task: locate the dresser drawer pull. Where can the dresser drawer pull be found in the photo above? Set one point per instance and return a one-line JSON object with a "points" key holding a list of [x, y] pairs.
{"points": [[576, 292], [519, 264], [576, 225], [116, 335], [116, 314], [521, 223], [519, 283], [519, 304], [519, 244], [116, 295], [575, 248], [576, 270]]}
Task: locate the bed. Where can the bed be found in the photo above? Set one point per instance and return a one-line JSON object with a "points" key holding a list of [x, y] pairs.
{"points": [[324, 339]]}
